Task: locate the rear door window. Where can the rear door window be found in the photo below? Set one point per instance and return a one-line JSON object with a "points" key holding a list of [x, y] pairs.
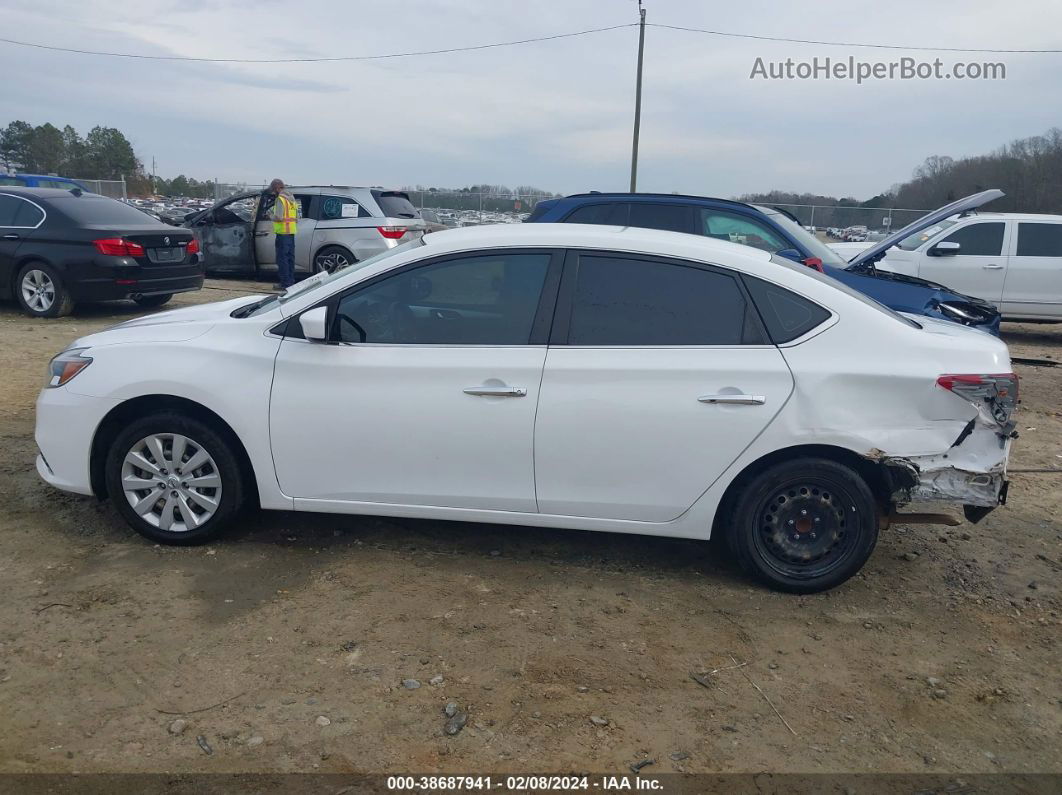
{"points": [[623, 300], [338, 208], [979, 240], [669, 217], [1039, 240]]}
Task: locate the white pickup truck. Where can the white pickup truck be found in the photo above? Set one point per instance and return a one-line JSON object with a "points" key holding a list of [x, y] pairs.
{"points": [[1013, 260]]}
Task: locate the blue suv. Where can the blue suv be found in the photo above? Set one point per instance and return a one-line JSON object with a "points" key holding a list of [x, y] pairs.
{"points": [[778, 232]]}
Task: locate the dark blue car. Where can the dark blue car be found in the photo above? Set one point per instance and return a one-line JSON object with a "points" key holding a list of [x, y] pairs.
{"points": [[776, 231]]}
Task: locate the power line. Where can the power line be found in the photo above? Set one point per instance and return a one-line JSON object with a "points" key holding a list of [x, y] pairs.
{"points": [[494, 45], [727, 34], [321, 59]]}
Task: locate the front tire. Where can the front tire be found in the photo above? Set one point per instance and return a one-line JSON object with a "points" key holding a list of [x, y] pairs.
{"points": [[148, 301], [41, 292], [175, 479], [804, 526]]}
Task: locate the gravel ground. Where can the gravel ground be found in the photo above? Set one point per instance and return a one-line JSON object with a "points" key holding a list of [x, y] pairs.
{"points": [[333, 644]]}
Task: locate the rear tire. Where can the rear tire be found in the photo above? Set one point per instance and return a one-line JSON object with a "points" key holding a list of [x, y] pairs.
{"points": [[332, 258], [175, 479], [804, 526], [40, 291], [148, 301]]}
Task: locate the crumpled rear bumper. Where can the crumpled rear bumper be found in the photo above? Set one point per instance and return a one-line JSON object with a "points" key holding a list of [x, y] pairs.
{"points": [[972, 472]]}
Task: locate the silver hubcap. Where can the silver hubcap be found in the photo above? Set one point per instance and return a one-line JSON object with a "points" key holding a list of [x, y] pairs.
{"points": [[332, 262], [38, 290], [172, 482]]}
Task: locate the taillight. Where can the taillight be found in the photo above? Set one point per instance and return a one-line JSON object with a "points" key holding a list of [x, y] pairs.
{"points": [[997, 393], [192, 247], [814, 263], [118, 247], [392, 232]]}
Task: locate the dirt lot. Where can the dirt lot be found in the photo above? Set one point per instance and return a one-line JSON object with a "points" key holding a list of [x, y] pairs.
{"points": [[285, 647]]}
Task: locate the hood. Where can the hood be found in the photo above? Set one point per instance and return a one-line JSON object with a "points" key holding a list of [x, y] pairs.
{"points": [[177, 325], [867, 258]]}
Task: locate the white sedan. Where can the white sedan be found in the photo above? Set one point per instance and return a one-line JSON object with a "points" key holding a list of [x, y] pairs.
{"points": [[591, 377]]}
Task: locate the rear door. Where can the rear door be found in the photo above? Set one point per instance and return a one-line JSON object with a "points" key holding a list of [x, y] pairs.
{"points": [[657, 377], [979, 268], [1034, 270]]}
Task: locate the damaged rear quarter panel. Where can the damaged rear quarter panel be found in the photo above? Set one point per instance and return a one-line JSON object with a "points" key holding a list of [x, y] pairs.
{"points": [[887, 407]]}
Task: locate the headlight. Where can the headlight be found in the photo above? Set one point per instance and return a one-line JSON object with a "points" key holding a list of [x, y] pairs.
{"points": [[67, 365], [963, 313]]}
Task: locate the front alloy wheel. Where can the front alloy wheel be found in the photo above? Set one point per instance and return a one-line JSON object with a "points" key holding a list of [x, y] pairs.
{"points": [[171, 482], [175, 479]]}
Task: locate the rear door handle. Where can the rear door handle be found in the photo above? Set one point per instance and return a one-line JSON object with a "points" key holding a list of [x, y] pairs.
{"points": [[11, 237], [992, 267], [496, 391], [742, 400]]}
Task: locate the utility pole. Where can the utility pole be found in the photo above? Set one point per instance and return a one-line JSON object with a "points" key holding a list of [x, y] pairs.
{"points": [[153, 176], [638, 99]]}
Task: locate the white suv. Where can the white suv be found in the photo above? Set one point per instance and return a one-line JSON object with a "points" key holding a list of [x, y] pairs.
{"points": [[1013, 260]]}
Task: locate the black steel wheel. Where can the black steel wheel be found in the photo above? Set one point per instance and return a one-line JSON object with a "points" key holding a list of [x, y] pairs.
{"points": [[805, 525]]}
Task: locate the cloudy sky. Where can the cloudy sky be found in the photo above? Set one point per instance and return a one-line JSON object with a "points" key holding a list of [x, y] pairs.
{"points": [[555, 114]]}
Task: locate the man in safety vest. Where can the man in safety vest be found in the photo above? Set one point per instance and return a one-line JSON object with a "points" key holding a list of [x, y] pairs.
{"points": [[284, 214]]}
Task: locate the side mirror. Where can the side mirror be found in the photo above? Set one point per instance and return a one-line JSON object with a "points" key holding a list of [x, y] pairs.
{"points": [[791, 253], [945, 249], [315, 324]]}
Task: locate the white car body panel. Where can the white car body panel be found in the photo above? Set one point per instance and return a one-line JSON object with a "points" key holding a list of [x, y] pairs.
{"points": [[620, 442]]}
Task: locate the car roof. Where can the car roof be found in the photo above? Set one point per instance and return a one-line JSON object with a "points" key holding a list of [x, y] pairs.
{"points": [[629, 238], [43, 193], [668, 196]]}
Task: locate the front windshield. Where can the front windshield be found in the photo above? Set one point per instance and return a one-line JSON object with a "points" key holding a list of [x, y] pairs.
{"points": [[911, 242], [314, 283], [811, 244]]}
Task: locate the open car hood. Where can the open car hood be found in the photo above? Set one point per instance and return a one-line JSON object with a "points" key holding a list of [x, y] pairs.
{"points": [[866, 258]]}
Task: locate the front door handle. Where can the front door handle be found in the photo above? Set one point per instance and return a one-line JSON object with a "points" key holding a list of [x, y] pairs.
{"points": [[496, 391], [11, 237], [992, 267], [742, 400], [261, 234]]}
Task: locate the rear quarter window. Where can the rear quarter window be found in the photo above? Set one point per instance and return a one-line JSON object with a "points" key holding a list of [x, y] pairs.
{"points": [[786, 315]]}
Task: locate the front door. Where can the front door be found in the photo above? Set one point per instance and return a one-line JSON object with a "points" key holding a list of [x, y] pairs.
{"points": [[980, 266], [426, 394], [662, 378], [1034, 271], [224, 235]]}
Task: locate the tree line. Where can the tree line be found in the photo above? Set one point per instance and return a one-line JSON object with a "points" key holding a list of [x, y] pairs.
{"points": [[1028, 171]]}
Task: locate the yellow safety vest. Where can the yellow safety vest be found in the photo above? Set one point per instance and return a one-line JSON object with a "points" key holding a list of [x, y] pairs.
{"points": [[286, 224]]}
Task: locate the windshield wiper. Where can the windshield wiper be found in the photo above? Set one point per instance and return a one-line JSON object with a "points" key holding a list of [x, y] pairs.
{"points": [[247, 309]]}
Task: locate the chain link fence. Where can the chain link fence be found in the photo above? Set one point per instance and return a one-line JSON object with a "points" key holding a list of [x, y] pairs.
{"points": [[874, 221], [114, 188]]}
